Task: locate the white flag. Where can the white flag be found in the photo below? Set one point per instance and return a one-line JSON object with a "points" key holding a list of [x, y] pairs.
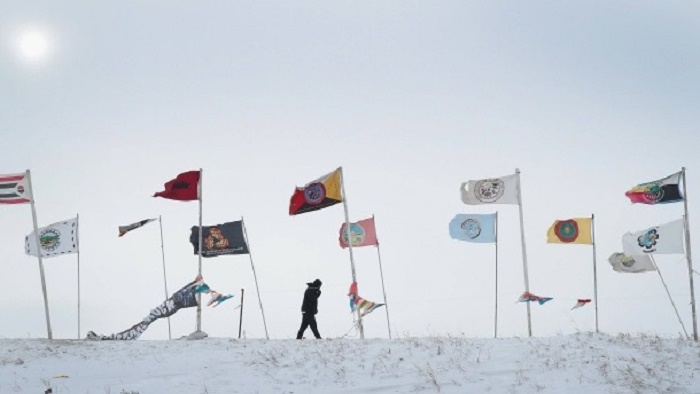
{"points": [[624, 263], [662, 239], [55, 239], [503, 190]]}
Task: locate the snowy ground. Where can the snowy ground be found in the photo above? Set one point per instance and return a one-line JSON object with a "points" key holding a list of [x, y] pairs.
{"points": [[579, 363]]}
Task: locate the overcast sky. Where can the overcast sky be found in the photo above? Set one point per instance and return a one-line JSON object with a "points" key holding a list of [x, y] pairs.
{"points": [[412, 98]]}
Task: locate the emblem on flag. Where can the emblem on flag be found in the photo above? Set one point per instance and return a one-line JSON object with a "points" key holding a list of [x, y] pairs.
{"points": [[50, 239], [566, 230], [648, 240], [315, 193], [489, 190], [14, 189], [471, 227]]}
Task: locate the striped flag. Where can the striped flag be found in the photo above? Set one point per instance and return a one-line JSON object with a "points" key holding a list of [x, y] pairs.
{"points": [[359, 303], [14, 189]]}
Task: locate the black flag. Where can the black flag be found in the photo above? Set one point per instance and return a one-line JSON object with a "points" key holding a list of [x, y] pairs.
{"points": [[221, 239]]}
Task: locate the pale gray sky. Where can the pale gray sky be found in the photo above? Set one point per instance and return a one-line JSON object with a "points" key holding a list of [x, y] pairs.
{"points": [[410, 97]]}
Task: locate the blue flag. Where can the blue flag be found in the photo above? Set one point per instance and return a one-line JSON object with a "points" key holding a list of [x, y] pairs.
{"points": [[474, 228]]}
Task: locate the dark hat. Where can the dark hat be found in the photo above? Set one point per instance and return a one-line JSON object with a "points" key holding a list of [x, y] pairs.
{"points": [[316, 283]]}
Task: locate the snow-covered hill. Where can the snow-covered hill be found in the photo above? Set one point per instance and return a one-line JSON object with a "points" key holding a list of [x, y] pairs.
{"points": [[579, 363]]}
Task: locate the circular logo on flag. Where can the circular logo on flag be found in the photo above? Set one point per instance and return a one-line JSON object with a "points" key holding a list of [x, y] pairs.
{"points": [[471, 227], [566, 230], [653, 193], [489, 190], [50, 239], [627, 261], [648, 240], [20, 189], [357, 235], [314, 193]]}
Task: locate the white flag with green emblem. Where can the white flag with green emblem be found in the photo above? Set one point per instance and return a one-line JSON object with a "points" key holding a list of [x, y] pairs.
{"points": [[502, 190], [55, 239]]}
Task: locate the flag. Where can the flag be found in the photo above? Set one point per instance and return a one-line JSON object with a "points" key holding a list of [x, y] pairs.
{"points": [[362, 233], [14, 189], [221, 239], [359, 303], [55, 239], [570, 231], [318, 194], [185, 187], [657, 192], [133, 226], [580, 303], [632, 264], [662, 239], [474, 228], [529, 297], [503, 190]]}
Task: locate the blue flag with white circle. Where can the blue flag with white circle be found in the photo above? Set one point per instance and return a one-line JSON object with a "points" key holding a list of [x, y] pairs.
{"points": [[474, 228]]}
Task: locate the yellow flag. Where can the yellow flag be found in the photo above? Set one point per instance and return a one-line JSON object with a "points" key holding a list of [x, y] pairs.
{"points": [[570, 231]]}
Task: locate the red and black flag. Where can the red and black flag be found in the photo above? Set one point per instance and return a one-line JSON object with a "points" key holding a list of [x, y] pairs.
{"points": [[14, 189], [185, 187], [221, 239]]}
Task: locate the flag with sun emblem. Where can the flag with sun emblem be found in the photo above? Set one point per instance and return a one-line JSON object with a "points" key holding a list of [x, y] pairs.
{"points": [[55, 239], [474, 228], [317, 194], [662, 239], [570, 231], [657, 192], [502, 190], [362, 233]]}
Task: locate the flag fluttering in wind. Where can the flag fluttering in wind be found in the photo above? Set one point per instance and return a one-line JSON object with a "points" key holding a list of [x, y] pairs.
{"points": [[133, 226], [662, 239], [631, 264], [502, 190], [55, 239], [185, 187], [474, 228], [657, 192], [359, 303], [362, 233], [529, 297], [14, 189], [221, 239], [317, 194], [581, 302], [571, 231]]}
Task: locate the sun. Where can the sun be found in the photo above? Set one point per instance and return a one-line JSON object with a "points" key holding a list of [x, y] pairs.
{"points": [[33, 45]]}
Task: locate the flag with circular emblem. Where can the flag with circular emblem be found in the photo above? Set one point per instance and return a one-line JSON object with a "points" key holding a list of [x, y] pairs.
{"points": [[570, 231], [14, 189], [317, 194]]}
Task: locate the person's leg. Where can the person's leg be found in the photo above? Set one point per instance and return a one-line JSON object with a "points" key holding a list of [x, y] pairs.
{"points": [[314, 328], [304, 324]]}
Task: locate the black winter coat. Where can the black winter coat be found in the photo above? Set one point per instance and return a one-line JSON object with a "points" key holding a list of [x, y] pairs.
{"points": [[310, 304]]}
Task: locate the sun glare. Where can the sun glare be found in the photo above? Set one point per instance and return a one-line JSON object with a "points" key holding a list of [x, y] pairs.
{"points": [[33, 45]]}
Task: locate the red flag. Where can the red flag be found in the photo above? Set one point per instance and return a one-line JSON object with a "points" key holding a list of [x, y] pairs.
{"points": [[184, 187], [362, 233]]}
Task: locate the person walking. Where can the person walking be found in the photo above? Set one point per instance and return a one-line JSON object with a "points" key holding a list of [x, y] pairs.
{"points": [[309, 309]]}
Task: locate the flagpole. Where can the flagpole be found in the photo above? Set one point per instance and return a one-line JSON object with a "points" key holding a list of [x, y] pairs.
{"points": [[240, 319], [495, 314], [255, 276], [381, 275], [352, 260], [38, 254], [522, 239], [165, 278], [77, 242], [595, 274], [658, 271], [688, 257], [199, 257]]}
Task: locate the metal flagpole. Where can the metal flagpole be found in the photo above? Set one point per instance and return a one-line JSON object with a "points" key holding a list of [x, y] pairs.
{"points": [[201, 246], [38, 255], [352, 260], [165, 278], [255, 276], [495, 314], [653, 261], [689, 258], [595, 274], [381, 274], [522, 238], [240, 319], [77, 242]]}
